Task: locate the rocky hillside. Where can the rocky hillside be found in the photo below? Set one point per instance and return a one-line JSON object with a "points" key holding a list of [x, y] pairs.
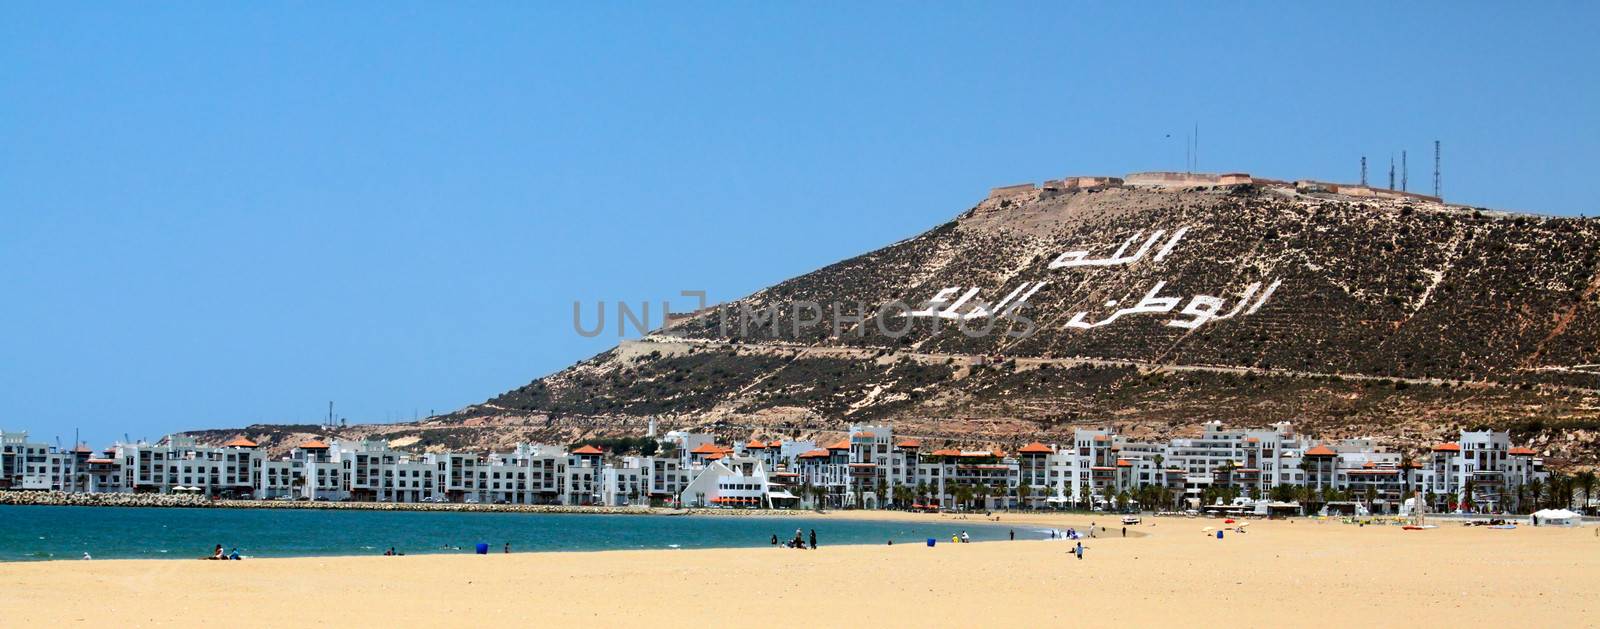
{"points": [[1150, 310]]}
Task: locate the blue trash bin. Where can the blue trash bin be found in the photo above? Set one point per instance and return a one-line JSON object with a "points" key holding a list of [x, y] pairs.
{"points": [[1219, 534], [931, 542], [483, 548]]}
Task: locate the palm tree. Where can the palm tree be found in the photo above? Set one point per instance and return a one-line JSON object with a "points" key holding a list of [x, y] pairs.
{"points": [[963, 495], [1024, 491], [1586, 481], [1536, 491], [1568, 490]]}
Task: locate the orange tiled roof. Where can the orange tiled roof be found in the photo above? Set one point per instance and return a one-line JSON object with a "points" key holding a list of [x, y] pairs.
{"points": [[588, 450], [1521, 452], [713, 457], [240, 442], [313, 445], [908, 443], [842, 444], [775, 443], [946, 452], [706, 448], [1321, 451], [1102, 438], [865, 435], [756, 444], [83, 448], [812, 454], [1447, 447], [1124, 463], [1368, 465], [1035, 448]]}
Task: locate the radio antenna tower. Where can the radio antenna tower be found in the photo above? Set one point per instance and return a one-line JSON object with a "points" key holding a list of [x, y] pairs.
{"points": [[1391, 171], [1436, 169], [1363, 170], [1405, 173]]}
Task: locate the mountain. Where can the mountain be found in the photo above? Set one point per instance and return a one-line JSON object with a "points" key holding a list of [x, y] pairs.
{"points": [[1151, 304]]}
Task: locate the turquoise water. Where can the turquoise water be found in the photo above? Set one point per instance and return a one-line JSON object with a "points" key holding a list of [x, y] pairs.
{"points": [[41, 533]]}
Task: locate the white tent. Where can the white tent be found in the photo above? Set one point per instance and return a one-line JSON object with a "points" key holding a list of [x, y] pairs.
{"points": [[1556, 517]]}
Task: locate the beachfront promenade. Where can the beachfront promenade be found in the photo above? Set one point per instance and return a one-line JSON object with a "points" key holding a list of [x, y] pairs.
{"points": [[70, 499], [1273, 471], [1283, 573]]}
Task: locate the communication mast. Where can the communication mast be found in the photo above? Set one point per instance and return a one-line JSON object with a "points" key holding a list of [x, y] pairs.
{"points": [[1436, 170], [1363, 170], [1404, 172], [1391, 171]]}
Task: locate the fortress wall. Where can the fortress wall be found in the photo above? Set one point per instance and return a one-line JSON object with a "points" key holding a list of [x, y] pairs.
{"points": [[1091, 182], [1360, 191], [1171, 179], [1005, 192]]}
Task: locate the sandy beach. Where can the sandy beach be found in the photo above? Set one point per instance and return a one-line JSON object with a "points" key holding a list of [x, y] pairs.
{"points": [[1299, 573]]}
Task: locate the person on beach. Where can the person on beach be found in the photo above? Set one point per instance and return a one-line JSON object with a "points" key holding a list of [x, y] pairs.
{"points": [[216, 553], [1079, 551], [774, 540], [1013, 535], [799, 540], [813, 539], [1124, 531], [508, 548], [233, 555], [964, 538], [86, 556]]}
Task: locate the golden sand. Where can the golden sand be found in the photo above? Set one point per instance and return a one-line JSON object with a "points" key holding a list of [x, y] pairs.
{"points": [[1299, 573]]}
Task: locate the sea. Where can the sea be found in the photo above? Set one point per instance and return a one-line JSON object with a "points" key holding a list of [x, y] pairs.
{"points": [[38, 533]]}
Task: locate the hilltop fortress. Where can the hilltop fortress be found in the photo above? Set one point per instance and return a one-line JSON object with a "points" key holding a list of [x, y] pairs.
{"points": [[1182, 180]]}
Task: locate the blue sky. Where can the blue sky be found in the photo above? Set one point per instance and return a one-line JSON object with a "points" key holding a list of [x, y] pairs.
{"points": [[215, 214]]}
